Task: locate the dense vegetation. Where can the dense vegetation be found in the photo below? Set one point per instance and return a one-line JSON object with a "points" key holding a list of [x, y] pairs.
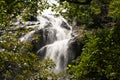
{"points": [[15, 62], [99, 59], [100, 25]]}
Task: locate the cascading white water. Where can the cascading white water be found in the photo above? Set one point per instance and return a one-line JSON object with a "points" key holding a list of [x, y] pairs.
{"points": [[56, 35]]}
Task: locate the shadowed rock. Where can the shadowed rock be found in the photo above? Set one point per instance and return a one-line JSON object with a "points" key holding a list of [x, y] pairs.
{"points": [[65, 25]]}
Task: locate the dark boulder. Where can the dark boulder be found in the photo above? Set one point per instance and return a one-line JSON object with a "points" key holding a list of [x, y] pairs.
{"points": [[65, 25], [75, 48]]}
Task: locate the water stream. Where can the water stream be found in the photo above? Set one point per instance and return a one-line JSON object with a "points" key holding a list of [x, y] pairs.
{"points": [[56, 35]]}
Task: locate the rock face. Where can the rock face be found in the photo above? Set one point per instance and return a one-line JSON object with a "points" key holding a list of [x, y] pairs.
{"points": [[55, 40]]}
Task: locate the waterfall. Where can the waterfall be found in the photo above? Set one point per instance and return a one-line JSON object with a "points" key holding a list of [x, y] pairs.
{"points": [[56, 35]]}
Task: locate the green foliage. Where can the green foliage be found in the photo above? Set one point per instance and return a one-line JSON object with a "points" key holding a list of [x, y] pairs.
{"points": [[90, 15], [21, 66], [17, 60], [114, 9], [9, 9], [100, 57]]}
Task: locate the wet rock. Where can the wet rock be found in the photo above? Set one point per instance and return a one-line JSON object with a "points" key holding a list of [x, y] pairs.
{"points": [[75, 48], [65, 25]]}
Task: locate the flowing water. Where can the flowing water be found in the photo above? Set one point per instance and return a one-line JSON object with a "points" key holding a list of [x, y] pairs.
{"points": [[56, 35]]}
